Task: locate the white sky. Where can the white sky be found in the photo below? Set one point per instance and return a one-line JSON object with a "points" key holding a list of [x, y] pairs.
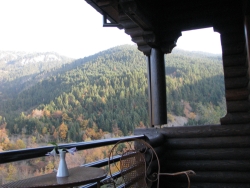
{"points": [[74, 29]]}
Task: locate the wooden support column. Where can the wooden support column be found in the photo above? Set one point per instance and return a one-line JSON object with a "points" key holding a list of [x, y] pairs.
{"points": [[247, 36], [157, 87], [149, 92]]}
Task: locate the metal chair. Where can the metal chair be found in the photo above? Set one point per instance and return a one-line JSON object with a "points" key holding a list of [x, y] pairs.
{"points": [[138, 167]]}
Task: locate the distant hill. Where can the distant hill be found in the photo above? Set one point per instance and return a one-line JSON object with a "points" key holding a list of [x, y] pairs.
{"points": [[106, 92], [20, 70], [17, 64]]}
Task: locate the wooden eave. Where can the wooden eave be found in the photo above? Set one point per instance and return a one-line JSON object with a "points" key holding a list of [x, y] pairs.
{"points": [[157, 23]]}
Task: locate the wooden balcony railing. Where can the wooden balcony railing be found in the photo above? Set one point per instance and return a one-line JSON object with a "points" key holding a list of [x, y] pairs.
{"points": [[24, 154]]}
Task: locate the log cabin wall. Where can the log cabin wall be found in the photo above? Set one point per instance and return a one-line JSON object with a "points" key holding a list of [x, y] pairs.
{"points": [[235, 64], [218, 154]]}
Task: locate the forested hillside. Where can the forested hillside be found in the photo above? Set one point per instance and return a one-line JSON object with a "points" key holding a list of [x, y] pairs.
{"points": [[20, 70], [106, 93]]}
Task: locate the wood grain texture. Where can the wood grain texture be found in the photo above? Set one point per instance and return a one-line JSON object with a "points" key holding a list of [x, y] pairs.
{"points": [[233, 48], [206, 131], [234, 60], [231, 72], [236, 82], [237, 94], [238, 106], [209, 154], [214, 177], [205, 185], [234, 118], [208, 142], [208, 165]]}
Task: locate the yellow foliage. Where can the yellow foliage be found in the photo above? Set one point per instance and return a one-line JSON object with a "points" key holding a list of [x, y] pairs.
{"points": [[11, 173], [4, 140], [63, 130], [55, 134], [44, 130], [57, 114], [49, 167], [66, 117], [170, 117], [20, 144], [192, 115], [46, 113]]}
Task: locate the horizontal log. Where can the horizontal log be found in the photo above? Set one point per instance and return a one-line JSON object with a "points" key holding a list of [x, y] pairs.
{"points": [[233, 48], [151, 156], [207, 165], [222, 177], [146, 49], [234, 60], [104, 3], [234, 118], [236, 82], [238, 71], [160, 150], [233, 37], [208, 142], [139, 40], [205, 185], [135, 31], [227, 30], [209, 154], [237, 94], [213, 177], [238, 106], [126, 22], [206, 131]]}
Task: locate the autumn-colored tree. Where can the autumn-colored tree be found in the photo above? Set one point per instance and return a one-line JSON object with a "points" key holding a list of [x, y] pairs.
{"points": [[57, 114], [192, 115], [55, 135], [49, 167], [66, 117], [20, 144], [11, 173], [44, 130], [37, 113], [63, 130], [46, 113], [4, 140]]}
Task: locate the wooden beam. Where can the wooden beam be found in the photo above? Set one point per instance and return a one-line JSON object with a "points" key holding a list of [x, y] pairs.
{"points": [[247, 36]]}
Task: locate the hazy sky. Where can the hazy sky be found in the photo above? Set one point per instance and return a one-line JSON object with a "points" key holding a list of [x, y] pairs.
{"points": [[74, 29]]}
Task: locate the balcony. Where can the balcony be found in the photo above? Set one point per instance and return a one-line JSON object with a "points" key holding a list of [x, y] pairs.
{"points": [[218, 154]]}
